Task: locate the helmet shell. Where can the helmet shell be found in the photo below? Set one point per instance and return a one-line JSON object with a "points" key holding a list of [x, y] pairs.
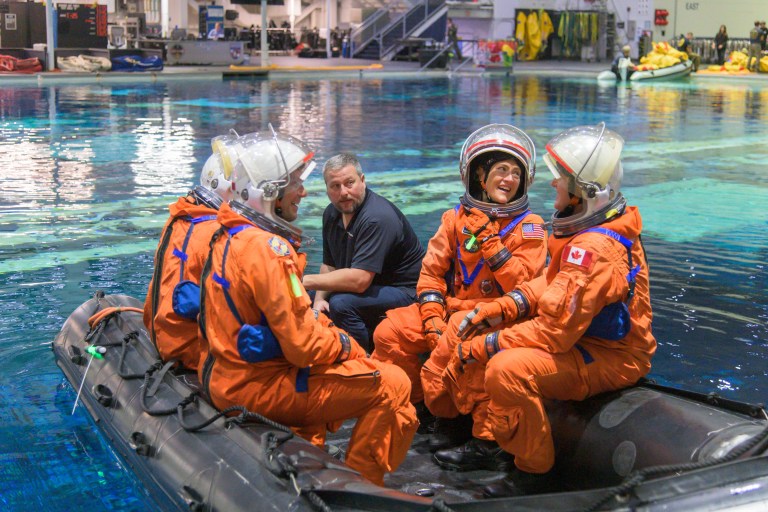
{"points": [[503, 138], [216, 179], [261, 166], [590, 156], [496, 142]]}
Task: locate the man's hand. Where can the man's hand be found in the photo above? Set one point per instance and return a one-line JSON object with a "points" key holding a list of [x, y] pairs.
{"points": [[321, 306], [488, 315]]}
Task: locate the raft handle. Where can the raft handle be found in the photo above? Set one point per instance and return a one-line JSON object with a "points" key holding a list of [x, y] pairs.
{"points": [[140, 445], [103, 395], [76, 356]]}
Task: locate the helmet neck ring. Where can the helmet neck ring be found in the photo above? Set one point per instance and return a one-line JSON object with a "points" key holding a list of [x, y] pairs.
{"points": [[496, 210], [207, 197], [277, 226], [566, 223]]}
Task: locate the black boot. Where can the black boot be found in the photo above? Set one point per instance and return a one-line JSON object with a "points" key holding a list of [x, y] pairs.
{"points": [[450, 432], [426, 419], [473, 455], [520, 483]]}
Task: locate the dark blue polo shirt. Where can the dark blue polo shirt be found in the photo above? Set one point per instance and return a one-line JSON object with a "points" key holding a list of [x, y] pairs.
{"points": [[378, 239]]}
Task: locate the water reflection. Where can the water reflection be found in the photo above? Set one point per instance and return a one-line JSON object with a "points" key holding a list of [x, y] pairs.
{"points": [[87, 172]]}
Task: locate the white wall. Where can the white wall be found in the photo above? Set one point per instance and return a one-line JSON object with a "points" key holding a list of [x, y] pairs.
{"points": [[704, 17]]}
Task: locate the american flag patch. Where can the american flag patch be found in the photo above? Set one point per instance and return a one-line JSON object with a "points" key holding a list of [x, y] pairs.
{"points": [[533, 231]]}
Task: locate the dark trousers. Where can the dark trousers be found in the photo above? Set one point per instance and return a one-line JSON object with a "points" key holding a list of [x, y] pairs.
{"points": [[360, 313], [456, 49]]}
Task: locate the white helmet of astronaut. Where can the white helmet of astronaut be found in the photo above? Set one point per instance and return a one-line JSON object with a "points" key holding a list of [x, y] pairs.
{"points": [[487, 146], [263, 165], [590, 158], [215, 183]]}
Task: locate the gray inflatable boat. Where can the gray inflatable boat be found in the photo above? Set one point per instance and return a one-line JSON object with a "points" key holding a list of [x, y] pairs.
{"points": [[648, 447]]}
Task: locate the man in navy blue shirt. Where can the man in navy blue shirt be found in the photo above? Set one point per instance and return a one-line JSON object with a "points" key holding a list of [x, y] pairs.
{"points": [[371, 255]]}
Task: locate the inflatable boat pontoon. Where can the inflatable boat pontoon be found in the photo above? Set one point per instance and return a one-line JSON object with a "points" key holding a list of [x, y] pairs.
{"points": [[644, 448], [673, 72]]}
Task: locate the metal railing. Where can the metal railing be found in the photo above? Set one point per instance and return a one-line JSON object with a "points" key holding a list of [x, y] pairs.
{"points": [[406, 24], [388, 27], [469, 53], [369, 29]]}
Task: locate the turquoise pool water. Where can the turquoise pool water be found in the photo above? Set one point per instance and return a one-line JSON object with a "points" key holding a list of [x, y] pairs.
{"points": [[87, 171]]}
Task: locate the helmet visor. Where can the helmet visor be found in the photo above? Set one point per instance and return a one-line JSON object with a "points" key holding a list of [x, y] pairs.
{"points": [[499, 137]]}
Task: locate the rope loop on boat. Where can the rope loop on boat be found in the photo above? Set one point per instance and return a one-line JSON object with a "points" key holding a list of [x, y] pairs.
{"points": [[317, 501], [249, 416], [149, 388]]}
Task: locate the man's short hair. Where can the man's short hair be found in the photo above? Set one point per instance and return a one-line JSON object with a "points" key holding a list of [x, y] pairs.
{"points": [[341, 161]]}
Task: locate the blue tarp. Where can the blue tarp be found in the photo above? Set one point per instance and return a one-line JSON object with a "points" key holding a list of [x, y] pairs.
{"points": [[137, 63]]}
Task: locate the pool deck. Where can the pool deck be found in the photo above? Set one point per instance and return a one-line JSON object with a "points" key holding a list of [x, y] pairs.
{"points": [[291, 66]]}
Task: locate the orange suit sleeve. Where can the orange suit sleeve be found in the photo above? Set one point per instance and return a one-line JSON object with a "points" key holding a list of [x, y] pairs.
{"points": [[529, 255], [303, 339], [571, 300]]}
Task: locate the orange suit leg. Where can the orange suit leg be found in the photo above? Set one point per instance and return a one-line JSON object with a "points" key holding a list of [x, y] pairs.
{"points": [[465, 386], [399, 340], [378, 395], [517, 380], [436, 396], [447, 395]]}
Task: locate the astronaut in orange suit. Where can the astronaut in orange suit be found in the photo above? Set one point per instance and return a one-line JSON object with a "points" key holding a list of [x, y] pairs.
{"points": [[170, 309], [264, 347], [581, 329], [487, 245]]}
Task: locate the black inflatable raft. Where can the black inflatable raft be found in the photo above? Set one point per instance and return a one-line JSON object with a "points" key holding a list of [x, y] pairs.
{"points": [[647, 447]]}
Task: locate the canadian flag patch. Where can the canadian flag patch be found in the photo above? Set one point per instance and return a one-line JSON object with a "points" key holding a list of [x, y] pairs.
{"points": [[577, 256]]}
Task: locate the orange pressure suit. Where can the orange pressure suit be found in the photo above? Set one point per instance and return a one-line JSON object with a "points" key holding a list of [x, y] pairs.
{"points": [[400, 337], [553, 355], [264, 349], [169, 314]]}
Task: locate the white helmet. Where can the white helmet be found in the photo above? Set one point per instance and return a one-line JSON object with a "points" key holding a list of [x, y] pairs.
{"points": [[590, 157], [483, 148], [215, 183], [262, 164]]}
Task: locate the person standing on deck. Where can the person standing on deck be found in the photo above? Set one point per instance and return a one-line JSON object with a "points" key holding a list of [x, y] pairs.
{"points": [[755, 49], [453, 39]]}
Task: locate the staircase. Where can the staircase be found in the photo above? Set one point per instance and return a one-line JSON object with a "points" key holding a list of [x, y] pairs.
{"points": [[380, 36]]}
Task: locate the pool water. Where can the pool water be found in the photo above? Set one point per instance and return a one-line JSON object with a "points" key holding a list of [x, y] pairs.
{"points": [[87, 172]]}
